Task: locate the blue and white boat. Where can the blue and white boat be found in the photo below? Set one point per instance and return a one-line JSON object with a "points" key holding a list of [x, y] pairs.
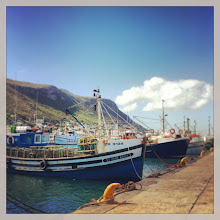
{"points": [[26, 138], [98, 157]]}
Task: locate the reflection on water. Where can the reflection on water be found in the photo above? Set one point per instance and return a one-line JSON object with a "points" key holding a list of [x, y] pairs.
{"points": [[63, 195]]}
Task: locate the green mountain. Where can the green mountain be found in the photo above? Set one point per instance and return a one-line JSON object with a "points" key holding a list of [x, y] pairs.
{"points": [[48, 102]]}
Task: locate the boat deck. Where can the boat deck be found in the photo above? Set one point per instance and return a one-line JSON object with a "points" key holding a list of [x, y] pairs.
{"points": [[184, 190]]}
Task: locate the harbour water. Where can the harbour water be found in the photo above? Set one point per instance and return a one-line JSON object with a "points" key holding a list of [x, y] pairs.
{"points": [[60, 195]]}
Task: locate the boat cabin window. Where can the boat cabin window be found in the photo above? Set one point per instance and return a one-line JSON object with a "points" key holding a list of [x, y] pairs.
{"points": [[25, 139], [22, 139], [130, 134], [28, 140], [37, 139], [45, 138]]}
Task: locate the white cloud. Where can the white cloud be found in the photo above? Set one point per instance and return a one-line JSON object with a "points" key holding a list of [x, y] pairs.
{"points": [[182, 94], [129, 108]]}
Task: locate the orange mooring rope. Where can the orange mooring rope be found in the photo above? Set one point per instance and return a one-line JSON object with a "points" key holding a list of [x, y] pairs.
{"points": [[172, 165]]}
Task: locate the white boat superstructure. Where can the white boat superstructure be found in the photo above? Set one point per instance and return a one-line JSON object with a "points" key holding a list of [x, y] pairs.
{"points": [[70, 138]]}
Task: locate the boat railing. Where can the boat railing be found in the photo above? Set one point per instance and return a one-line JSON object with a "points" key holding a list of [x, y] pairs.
{"points": [[41, 152]]}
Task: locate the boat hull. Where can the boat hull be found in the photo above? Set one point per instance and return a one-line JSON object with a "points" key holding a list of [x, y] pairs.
{"points": [[121, 164], [169, 149], [195, 149]]}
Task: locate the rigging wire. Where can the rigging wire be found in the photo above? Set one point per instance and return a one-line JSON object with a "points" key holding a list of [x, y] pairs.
{"points": [[147, 118], [108, 113], [168, 123], [79, 103], [119, 116], [142, 122], [89, 108]]}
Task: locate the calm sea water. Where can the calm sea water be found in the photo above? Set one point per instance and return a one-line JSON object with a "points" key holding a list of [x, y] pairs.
{"points": [[60, 195]]}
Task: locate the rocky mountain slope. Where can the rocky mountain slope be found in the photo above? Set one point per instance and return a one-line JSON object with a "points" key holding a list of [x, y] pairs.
{"points": [[49, 102]]}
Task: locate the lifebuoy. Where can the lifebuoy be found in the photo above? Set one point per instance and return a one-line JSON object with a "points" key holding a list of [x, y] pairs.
{"points": [[172, 131], [10, 140], [43, 164], [180, 131], [152, 131]]}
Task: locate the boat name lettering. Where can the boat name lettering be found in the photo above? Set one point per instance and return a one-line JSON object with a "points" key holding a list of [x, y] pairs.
{"points": [[114, 144], [118, 157]]}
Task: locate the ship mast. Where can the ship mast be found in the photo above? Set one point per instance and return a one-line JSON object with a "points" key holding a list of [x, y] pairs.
{"points": [[98, 103], [16, 99], [209, 126], [36, 107], [195, 127], [184, 124], [188, 131], [163, 119]]}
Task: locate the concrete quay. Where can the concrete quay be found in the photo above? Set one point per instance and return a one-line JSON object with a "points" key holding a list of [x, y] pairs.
{"points": [[183, 190]]}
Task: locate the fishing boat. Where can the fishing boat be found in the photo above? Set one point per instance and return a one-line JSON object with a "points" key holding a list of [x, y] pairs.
{"points": [[165, 145], [96, 157], [196, 145], [209, 139]]}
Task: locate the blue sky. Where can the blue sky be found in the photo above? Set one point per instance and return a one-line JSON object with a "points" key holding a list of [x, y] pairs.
{"points": [[113, 48]]}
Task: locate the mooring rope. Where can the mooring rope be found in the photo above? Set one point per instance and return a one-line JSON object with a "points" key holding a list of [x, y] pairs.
{"points": [[150, 168], [172, 165], [122, 189], [132, 161], [127, 187], [9, 197], [19, 206]]}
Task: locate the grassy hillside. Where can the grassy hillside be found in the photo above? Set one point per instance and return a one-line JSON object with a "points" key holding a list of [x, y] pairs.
{"points": [[50, 103]]}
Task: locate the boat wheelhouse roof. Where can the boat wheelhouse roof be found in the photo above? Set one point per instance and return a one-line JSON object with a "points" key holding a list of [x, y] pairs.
{"points": [[17, 134]]}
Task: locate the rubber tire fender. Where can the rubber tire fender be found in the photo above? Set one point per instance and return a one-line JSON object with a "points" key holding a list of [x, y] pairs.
{"points": [[43, 164]]}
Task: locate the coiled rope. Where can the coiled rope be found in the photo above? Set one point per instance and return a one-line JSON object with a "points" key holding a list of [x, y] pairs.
{"points": [[127, 187]]}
